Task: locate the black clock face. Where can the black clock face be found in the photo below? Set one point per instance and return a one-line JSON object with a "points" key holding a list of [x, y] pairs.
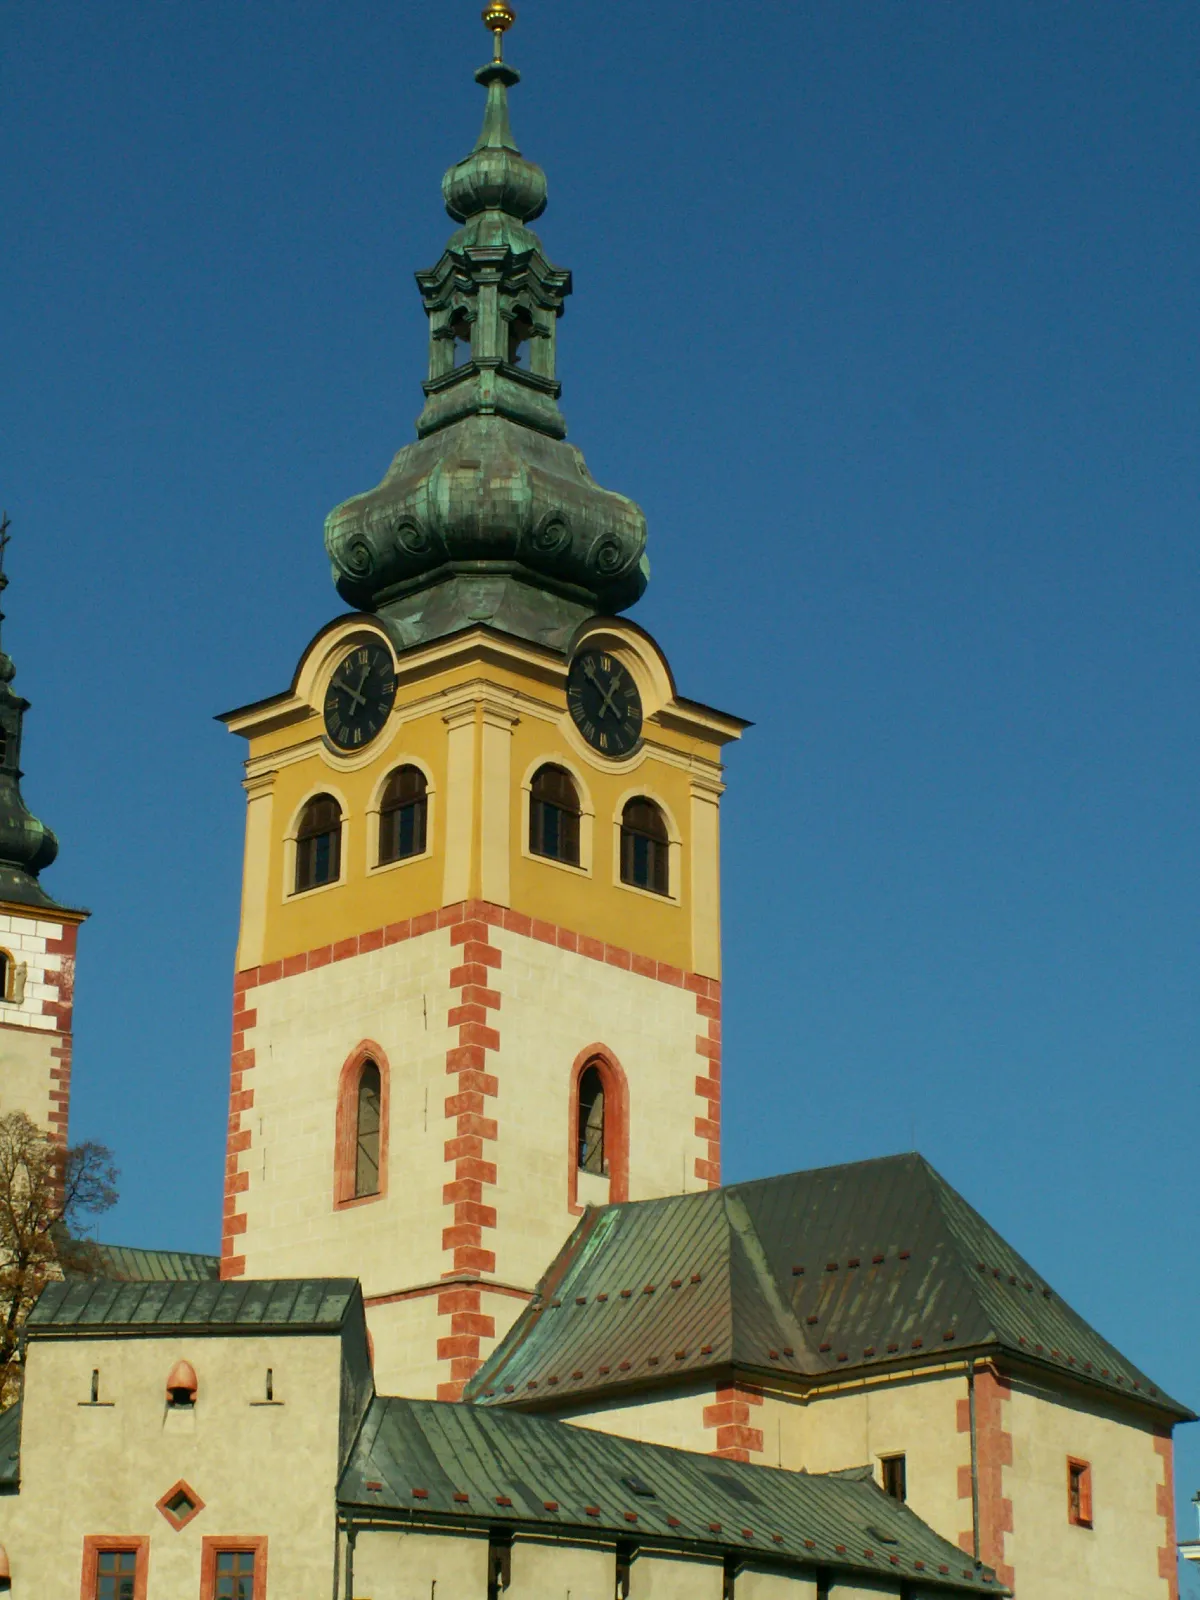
{"points": [[604, 702], [360, 696]]}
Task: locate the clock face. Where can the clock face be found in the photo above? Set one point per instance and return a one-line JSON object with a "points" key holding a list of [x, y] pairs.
{"points": [[604, 702], [360, 695]]}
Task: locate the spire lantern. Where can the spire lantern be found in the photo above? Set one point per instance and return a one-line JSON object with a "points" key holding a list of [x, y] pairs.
{"points": [[490, 516]]}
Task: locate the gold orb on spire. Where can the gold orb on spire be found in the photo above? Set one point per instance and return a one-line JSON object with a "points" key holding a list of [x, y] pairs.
{"points": [[498, 18]]}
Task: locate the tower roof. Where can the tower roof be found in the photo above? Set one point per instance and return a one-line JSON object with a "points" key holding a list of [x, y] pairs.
{"points": [[27, 845], [490, 516], [813, 1275]]}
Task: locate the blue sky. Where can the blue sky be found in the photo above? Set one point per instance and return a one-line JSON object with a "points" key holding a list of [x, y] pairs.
{"points": [[886, 314]]}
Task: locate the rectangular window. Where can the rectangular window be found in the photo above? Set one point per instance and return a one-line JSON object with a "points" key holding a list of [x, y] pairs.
{"points": [[234, 1569], [1079, 1493], [895, 1476], [115, 1568]]}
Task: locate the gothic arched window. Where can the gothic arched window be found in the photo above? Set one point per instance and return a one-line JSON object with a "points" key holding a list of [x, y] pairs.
{"points": [[645, 846], [591, 1121], [368, 1127], [403, 815], [319, 843], [554, 815]]}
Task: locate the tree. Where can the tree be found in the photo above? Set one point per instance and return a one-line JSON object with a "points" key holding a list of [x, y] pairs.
{"points": [[46, 1192]]}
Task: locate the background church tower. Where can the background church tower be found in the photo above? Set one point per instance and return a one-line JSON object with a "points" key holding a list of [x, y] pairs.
{"points": [[37, 936], [478, 973]]}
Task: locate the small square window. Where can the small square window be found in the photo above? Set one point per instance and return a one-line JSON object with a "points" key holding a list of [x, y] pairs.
{"points": [[1079, 1493], [895, 1476], [114, 1568], [234, 1569]]}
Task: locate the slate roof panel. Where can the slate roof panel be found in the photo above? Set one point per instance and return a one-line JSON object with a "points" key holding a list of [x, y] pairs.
{"points": [[124, 1264], [814, 1273], [10, 1448], [239, 1305], [551, 1473]]}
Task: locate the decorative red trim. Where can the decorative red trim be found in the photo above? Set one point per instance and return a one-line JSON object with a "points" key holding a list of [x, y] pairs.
{"points": [[467, 1151], [1168, 1558], [345, 1145], [730, 1416], [708, 1088], [211, 1548], [175, 1521], [95, 1545], [994, 1452], [616, 1124]]}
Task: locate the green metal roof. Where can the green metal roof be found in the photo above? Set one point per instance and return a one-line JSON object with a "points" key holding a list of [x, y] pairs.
{"points": [[123, 1264], [429, 1461], [873, 1265], [242, 1305]]}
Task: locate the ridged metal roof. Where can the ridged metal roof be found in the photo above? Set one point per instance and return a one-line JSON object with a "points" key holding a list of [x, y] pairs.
{"points": [[430, 1461], [240, 1305], [872, 1265], [124, 1264]]}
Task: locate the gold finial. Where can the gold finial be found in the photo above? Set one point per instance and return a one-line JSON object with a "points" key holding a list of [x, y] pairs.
{"points": [[498, 18]]}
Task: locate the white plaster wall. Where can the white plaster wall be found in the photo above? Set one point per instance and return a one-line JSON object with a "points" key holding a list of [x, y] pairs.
{"points": [[404, 1336], [90, 1470], [393, 1565], [655, 1577], [762, 1583], [676, 1419], [555, 1004], [25, 1063], [1115, 1559], [306, 1027], [560, 1572]]}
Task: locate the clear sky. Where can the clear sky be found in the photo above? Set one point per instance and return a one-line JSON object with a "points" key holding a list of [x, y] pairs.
{"points": [[887, 316]]}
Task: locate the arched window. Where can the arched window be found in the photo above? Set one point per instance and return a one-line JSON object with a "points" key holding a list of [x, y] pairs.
{"points": [[319, 843], [369, 1125], [360, 1154], [403, 815], [645, 846], [554, 815], [460, 328], [591, 1122], [520, 330]]}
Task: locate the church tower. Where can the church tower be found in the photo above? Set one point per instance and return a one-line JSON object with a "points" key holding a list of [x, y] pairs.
{"points": [[37, 937], [478, 972]]}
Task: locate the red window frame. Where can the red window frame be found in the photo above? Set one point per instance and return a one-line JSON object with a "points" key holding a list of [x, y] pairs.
{"points": [[345, 1143], [224, 1544], [616, 1124], [1079, 1516], [97, 1544]]}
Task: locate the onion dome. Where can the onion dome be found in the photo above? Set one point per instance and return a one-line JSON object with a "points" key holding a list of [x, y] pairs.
{"points": [[26, 844], [490, 516]]}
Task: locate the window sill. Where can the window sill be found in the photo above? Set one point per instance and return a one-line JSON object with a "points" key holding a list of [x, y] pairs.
{"points": [[667, 899], [400, 861], [354, 1201], [317, 888], [575, 867], [268, 1402]]}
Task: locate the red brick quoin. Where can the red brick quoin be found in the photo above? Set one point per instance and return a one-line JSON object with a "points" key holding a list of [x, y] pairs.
{"points": [[736, 1440], [1168, 1559], [995, 1452], [62, 1011]]}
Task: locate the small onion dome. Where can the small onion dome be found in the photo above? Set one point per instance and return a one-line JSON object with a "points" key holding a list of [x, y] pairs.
{"points": [[495, 176], [182, 1386]]}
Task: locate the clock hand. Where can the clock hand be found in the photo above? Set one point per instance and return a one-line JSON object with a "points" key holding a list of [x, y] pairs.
{"points": [[359, 699], [607, 703]]}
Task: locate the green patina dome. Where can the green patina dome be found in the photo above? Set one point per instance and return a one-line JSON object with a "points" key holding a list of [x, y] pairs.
{"points": [[490, 516]]}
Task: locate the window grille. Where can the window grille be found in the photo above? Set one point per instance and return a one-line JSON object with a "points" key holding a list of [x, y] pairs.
{"points": [[319, 843], [369, 1125], [403, 815], [554, 816], [645, 846]]}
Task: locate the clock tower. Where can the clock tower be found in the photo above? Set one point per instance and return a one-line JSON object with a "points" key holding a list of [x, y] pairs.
{"points": [[478, 971]]}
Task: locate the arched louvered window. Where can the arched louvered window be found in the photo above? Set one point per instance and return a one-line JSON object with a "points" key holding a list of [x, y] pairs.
{"points": [[368, 1127], [403, 815], [645, 846], [591, 1122], [554, 815], [319, 843]]}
